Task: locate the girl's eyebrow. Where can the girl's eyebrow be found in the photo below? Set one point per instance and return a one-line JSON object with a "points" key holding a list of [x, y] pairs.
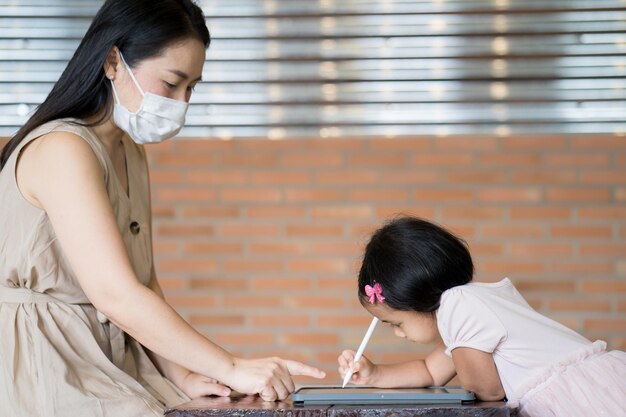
{"points": [[183, 75]]}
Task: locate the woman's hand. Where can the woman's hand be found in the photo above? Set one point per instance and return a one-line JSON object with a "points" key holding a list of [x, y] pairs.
{"points": [[196, 385], [364, 371], [269, 377]]}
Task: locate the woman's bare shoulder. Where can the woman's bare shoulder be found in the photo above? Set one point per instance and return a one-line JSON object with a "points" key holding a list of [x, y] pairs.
{"points": [[55, 159]]}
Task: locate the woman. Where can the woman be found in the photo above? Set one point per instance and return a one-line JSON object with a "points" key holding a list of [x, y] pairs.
{"points": [[84, 328]]}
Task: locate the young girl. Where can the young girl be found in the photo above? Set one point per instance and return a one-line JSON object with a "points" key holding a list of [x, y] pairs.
{"points": [[417, 277], [84, 328]]}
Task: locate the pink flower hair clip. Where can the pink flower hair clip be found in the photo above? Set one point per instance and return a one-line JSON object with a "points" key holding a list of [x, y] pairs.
{"points": [[375, 293]]}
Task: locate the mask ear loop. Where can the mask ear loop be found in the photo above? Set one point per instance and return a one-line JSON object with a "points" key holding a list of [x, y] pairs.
{"points": [[115, 96], [132, 76]]}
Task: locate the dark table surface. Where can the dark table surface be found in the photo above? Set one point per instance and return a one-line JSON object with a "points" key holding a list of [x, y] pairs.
{"points": [[253, 406]]}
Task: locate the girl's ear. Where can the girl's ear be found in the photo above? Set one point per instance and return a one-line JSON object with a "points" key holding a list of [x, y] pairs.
{"points": [[112, 63]]}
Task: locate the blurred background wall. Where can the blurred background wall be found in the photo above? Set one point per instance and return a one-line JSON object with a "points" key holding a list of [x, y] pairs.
{"points": [[318, 120]]}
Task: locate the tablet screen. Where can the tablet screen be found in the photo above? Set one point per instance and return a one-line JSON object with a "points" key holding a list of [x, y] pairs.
{"points": [[372, 395], [373, 390]]}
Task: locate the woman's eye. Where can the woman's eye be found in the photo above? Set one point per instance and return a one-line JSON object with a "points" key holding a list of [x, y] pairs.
{"points": [[170, 85], [191, 88]]}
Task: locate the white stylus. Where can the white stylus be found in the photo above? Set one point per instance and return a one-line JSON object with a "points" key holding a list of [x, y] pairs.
{"points": [[359, 352]]}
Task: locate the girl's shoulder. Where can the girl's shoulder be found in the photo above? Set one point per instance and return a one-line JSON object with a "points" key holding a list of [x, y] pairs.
{"points": [[467, 318], [503, 283], [478, 294], [460, 294], [504, 286]]}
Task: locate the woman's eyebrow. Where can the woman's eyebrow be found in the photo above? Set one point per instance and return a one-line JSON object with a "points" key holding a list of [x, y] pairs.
{"points": [[183, 75]]}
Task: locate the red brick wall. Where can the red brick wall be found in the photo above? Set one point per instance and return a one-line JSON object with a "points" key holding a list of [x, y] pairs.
{"points": [[258, 242]]}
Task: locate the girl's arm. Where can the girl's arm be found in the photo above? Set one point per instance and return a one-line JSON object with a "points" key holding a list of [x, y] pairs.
{"points": [[60, 174], [478, 373], [436, 369]]}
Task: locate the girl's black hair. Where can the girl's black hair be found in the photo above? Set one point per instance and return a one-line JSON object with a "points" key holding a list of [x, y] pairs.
{"points": [[414, 261], [140, 29]]}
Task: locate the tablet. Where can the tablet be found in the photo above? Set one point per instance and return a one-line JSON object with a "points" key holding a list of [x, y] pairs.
{"points": [[369, 395], [364, 395]]}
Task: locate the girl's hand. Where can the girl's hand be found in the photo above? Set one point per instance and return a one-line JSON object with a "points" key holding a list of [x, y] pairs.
{"points": [[196, 385], [269, 377], [364, 371]]}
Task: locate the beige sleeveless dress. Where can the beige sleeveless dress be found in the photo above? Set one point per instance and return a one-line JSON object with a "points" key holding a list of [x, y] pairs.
{"points": [[58, 355]]}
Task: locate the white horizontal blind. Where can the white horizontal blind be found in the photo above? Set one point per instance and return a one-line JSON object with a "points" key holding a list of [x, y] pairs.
{"points": [[297, 68]]}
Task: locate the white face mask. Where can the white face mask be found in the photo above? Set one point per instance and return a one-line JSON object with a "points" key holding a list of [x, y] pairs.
{"points": [[157, 119]]}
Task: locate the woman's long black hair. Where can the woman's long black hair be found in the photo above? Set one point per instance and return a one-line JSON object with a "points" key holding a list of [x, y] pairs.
{"points": [[414, 261], [139, 28]]}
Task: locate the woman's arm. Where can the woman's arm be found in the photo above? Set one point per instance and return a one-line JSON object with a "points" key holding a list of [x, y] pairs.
{"points": [[174, 372], [60, 173], [193, 384], [171, 370], [478, 373]]}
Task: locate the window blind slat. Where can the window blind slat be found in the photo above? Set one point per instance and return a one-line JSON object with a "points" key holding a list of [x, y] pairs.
{"points": [[364, 67]]}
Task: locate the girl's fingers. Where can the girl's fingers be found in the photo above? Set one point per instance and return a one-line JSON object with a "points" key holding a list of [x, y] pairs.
{"points": [[346, 358], [343, 370], [348, 354], [343, 362]]}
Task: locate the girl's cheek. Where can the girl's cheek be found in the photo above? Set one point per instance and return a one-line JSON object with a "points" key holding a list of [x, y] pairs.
{"points": [[398, 332]]}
